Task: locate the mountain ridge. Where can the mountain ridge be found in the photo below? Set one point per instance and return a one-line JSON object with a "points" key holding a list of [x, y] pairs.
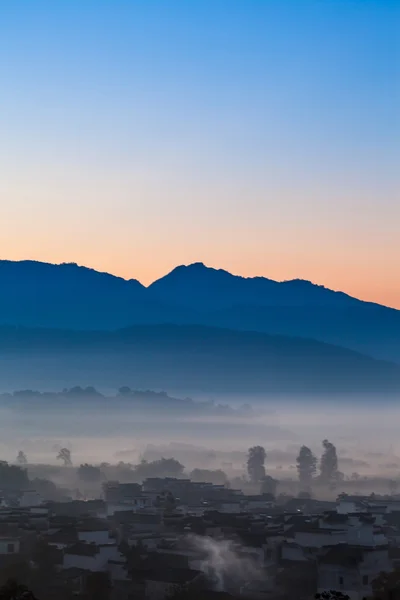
{"points": [[198, 265], [69, 296]]}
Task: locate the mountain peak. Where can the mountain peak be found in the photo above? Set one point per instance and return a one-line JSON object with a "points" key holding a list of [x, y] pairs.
{"points": [[197, 268]]}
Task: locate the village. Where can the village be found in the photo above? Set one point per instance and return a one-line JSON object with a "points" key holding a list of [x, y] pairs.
{"points": [[175, 538]]}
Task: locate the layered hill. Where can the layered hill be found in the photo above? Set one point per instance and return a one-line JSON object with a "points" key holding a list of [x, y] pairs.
{"points": [[71, 297], [187, 357]]}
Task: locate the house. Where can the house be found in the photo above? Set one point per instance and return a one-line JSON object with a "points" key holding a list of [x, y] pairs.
{"points": [[90, 557], [351, 569], [159, 583], [9, 545], [93, 531], [30, 498]]}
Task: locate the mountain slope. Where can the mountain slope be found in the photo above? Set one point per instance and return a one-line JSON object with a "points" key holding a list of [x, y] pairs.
{"points": [[297, 308], [205, 288], [176, 357], [67, 296], [39, 294]]}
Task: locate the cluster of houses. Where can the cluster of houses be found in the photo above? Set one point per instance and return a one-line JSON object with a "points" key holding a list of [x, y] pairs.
{"points": [[171, 535]]}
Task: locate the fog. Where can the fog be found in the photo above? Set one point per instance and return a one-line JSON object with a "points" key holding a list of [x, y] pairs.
{"points": [[108, 430]]}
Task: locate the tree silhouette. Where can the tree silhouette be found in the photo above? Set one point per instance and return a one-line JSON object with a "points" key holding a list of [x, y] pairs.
{"points": [[14, 591], [21, 458], [269, 485], [164, 467], [306, 468], [329, 463], [89, 473], [255, 463], [13, 477], [98, 586], [387, 586], [65, 455]]}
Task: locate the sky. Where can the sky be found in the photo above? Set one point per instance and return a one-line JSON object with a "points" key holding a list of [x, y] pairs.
{"points": [[258, 136]]}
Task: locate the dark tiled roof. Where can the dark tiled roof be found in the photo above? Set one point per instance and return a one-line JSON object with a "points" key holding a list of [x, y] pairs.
{"points": [[345, 555], [179, 576], [82, 549]]}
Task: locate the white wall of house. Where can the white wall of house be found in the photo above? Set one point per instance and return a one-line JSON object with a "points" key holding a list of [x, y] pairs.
{"points": [[117, 571], [319, 539], [356, 582], [94, 537], [345, 507], [136, 503], [58, 545], [90, 563], [98, 562], [295, 553], [365, 535], [30, 498], [9, 546]]}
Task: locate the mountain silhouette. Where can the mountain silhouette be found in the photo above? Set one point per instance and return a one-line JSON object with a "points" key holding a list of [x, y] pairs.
{"points": [[37, 294], [294, 308], [68, 296], [204, 288], [190, 358]]}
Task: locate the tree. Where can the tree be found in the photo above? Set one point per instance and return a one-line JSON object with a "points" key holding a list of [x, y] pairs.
{"points": [[45, 558], [134, 556], [98, 586], [329, 463], [387, 585], [268, 486], [217, 477], [166, 501], [15, 591], [13, 477], [65, 455], [89, 473], [306, 468], [255, 463], [21, 458], [165, 467], [46, 489]]}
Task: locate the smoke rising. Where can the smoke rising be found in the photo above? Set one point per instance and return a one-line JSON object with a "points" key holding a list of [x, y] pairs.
{"points": [[225, 563]]}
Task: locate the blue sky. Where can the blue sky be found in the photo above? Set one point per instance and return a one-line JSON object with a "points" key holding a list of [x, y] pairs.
{"points": [[258, 136]]}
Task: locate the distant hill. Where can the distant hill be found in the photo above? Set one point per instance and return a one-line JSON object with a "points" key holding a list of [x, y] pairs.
{"points": [[68, 296], [174, 357]]}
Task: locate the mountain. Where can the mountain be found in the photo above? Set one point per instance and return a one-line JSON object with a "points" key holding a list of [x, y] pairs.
{"points": [[68, 296], [36, 294], [189, 358], [204, 288], [295, 308]]}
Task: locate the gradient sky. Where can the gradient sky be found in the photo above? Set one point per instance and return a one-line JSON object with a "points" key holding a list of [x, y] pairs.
{"points": [[258, 136]]}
